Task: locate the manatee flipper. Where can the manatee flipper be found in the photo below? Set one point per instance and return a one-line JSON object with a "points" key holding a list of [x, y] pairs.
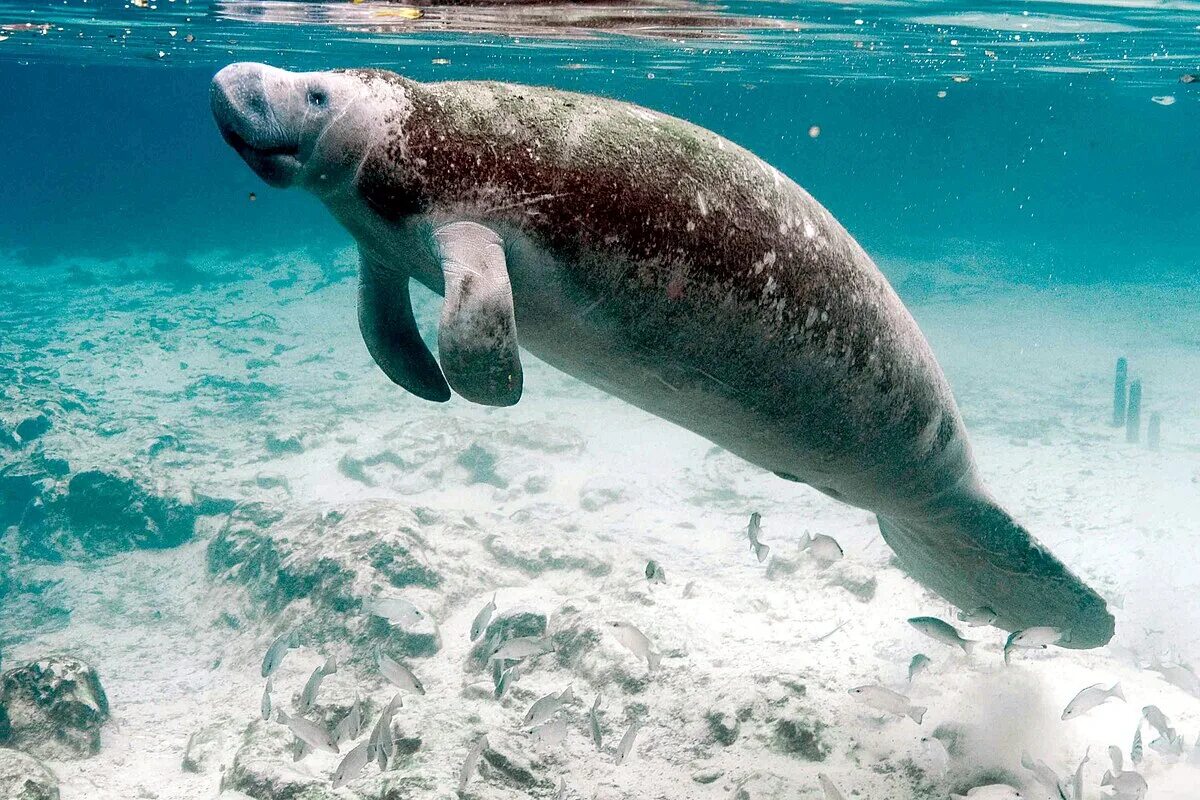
{"points": [[389, 329], [477, 336], [977, 556]]}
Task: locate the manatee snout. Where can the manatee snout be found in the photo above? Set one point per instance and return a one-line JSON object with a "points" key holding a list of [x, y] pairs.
{"points": [[246, 103]]}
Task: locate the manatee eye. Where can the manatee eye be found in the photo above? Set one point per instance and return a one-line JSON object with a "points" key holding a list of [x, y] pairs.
{"points": [[317, 98]]}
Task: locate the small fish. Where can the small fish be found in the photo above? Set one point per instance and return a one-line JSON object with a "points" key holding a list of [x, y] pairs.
{"points": [[594, 724], [994, 791], [1114, 755], [299, 748], [313, 685], [550, 734], [1189, 78], [760, 550], [1158, 720], [937, 754], [380, 745], [468, 767], [831, 791], [562, 789], [919, 664], [1031, 639], [266, 700], [977, 618], [480, 623], [655, 572], [1044, 775], [396, 610], [1168, 745], [1089, 698], [507, 678], [350, 726], [275, 653], [943, 632], [1135, 750], [1164, 99], [1126, 786], [1179, 676], [1077, 781], [523, 647], [824, 549], [397, 673], [308, 732], [884, 699], [545, 707], [626, 746], [636, 642], [351, 765]]}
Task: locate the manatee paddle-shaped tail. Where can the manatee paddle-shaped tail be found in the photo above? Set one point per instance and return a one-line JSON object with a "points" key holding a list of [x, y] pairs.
{"points": [[977, 556]]}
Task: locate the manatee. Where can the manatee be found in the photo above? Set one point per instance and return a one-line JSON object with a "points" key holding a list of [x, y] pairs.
{"points": [[665, 265]]}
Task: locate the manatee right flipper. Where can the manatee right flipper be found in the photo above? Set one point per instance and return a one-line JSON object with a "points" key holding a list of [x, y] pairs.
{"points": [[977, 556], [389, 329], [477, 336]]}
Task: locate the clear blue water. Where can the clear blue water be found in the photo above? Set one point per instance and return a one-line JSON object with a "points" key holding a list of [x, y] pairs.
{"points": [[1026, 175]]}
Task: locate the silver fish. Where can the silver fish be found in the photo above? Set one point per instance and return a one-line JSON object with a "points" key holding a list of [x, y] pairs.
{"points": [[1127, 785], [943, 632], [1089, 698], [1031, 639], [480, 623], [562, 789], [380, 745], [507, 679], [1114, 754], [351, 765], [831, 791], [1158, 720], [266, 700], [523, 647], [276, 652], [1077, 781], [468, 767], [1044, 775], [396, 610], [824, 549], [919, 664], [594, 724], [977, 618], [760, 550], [350, 726], [308, 732], [397, 673], [655, 573], [299, 748], [1168, 745], [626, 746], [884, 699], [545, 707], [313, 685], [1179, 675], [637, 643], [551, 733], [1135, 750]]}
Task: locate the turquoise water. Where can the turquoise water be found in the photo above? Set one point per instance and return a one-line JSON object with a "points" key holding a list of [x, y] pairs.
{"points": [[198, 455]]}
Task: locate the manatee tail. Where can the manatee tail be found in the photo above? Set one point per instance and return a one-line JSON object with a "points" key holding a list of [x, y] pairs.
{"points": [[977, 556]]}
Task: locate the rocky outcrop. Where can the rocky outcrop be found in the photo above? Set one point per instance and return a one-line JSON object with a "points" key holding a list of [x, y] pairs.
{"points": [[101, 512], [55, 708], [23, 777]]}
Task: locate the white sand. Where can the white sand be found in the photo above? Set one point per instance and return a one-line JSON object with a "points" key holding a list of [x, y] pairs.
{"points": [[1031, 369]]}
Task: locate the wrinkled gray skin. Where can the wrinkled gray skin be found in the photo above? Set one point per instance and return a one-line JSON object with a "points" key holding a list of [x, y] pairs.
{"points": [[665, 265]]}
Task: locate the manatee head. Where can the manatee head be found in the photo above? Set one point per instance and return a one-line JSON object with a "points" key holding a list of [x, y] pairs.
{"points": [[311, 129]]}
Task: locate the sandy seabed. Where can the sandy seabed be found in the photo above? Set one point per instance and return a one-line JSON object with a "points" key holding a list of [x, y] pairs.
{"points": [[556, 505]]}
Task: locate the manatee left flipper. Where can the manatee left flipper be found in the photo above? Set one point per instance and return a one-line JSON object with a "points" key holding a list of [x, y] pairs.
{"points": [[389, 329], [477, 336]]}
